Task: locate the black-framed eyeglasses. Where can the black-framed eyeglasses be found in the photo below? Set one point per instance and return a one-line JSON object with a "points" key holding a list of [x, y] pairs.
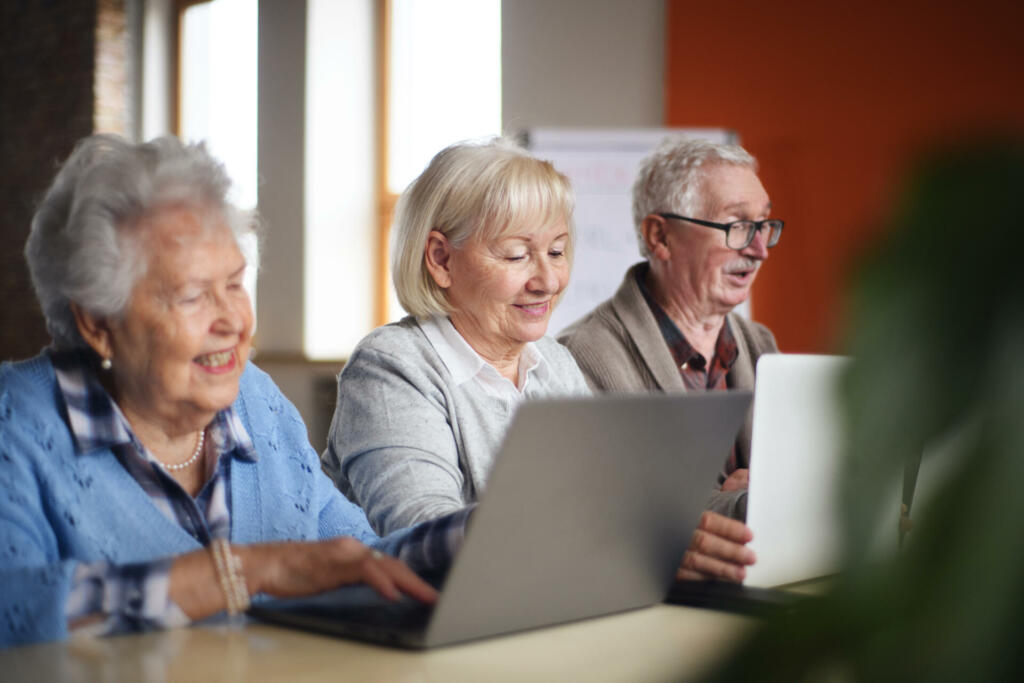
{"points": [[739, 234]]}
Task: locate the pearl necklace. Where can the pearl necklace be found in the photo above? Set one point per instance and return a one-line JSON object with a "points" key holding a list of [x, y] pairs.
{"points": [[190, 461]]}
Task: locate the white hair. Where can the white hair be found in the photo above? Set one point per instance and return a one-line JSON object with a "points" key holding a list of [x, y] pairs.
{"points": [[83, 245], [671, 179], [471, 190]]}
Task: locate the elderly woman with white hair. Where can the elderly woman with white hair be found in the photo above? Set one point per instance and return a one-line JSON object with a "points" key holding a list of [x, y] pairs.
{"points": [[482, 251], [151, 474]]}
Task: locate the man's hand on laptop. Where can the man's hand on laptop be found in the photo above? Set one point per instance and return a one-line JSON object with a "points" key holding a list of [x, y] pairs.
{"points": [[718, 550], [737, 481]]}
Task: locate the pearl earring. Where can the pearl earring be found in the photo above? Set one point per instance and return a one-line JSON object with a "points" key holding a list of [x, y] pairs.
{"points": [[106, 363]]}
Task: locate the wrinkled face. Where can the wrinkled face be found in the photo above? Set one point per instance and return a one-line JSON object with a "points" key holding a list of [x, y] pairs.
{"points": [[719, 278], [503, 291], [181, 346]]}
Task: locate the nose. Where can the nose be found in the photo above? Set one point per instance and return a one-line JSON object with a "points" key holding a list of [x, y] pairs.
{"points": [[545, 278], [232, 313], [757, 249]]}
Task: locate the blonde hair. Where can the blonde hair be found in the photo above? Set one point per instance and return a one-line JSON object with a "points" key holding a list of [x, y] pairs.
{"points": [[471, 190]]}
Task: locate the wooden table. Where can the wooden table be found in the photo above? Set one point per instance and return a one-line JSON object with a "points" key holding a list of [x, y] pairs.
{"points": [[661, 643]]}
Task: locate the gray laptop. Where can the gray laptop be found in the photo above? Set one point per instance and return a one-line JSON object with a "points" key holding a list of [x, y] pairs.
{"points": [[589, 508]]}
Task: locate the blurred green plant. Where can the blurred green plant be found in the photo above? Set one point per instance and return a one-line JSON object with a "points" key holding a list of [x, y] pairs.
{"points": [[938, 333]]}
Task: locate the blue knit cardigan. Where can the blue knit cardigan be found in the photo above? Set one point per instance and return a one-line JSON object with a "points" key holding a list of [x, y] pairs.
{"points": [[59, 507]]}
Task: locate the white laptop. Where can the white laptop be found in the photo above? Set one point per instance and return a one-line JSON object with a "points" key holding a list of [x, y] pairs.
{"points": [[589, 509], [795, 460], [797, 451]]}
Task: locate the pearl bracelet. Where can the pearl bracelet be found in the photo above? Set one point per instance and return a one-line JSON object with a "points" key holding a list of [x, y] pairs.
{"points": [[229, 574]]}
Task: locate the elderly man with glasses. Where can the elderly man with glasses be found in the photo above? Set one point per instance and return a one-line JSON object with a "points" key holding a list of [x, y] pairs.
{"points": [[701, 217]]}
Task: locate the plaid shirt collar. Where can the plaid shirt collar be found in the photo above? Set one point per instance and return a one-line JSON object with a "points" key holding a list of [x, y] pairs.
{"points": [[683, 353], [96, 421]]}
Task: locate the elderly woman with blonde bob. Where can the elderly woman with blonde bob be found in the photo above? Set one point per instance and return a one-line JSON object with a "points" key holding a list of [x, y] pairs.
{"points": [[482, 251], [151, 474]]}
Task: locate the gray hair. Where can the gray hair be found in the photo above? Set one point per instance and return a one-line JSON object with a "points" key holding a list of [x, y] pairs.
{"points": [[83, 246], [671, 178], [480, 190]]}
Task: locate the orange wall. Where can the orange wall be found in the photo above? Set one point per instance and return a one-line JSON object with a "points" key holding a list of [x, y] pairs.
{"points": [[835, 100]]}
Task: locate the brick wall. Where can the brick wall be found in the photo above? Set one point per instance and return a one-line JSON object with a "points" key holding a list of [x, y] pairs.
{"points": [[49, 57]]}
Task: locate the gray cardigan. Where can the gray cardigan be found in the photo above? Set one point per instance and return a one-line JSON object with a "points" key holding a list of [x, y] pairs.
{"points": [[407, 444], [619, 347]]}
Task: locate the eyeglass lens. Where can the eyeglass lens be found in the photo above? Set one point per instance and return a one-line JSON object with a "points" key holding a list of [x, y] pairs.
{"points": [[741, 233]]}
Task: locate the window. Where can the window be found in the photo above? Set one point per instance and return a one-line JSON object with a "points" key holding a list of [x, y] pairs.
{"points": [[443, 85], [217, 95], [388, 84], [445, 80], [218, 64], [438, 80]]}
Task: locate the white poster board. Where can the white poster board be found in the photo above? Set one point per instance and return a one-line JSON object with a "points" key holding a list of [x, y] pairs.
{"points": [[602, 163]]}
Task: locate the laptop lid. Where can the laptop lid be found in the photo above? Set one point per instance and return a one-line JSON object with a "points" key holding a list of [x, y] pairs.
{"points": [[795, 453], [589, 509]]}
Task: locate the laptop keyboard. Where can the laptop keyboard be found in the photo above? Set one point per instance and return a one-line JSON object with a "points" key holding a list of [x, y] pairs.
{"points": [[405, 614]]}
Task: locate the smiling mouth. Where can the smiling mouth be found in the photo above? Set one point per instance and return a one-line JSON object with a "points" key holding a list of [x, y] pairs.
{"points": [[221, 361], [534, 309]]}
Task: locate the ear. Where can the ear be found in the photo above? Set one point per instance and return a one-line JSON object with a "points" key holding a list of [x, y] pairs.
{"points": [[94, 330], [437, 256], [655, 233]]}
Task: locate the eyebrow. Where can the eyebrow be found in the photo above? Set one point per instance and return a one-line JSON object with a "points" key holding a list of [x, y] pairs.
{"points": [[205, 280], [737, 205], [741, 203], [520, 238]]}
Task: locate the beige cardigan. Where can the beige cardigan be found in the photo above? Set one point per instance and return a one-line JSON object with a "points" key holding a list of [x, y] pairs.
{"points": [[619, 348]]}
